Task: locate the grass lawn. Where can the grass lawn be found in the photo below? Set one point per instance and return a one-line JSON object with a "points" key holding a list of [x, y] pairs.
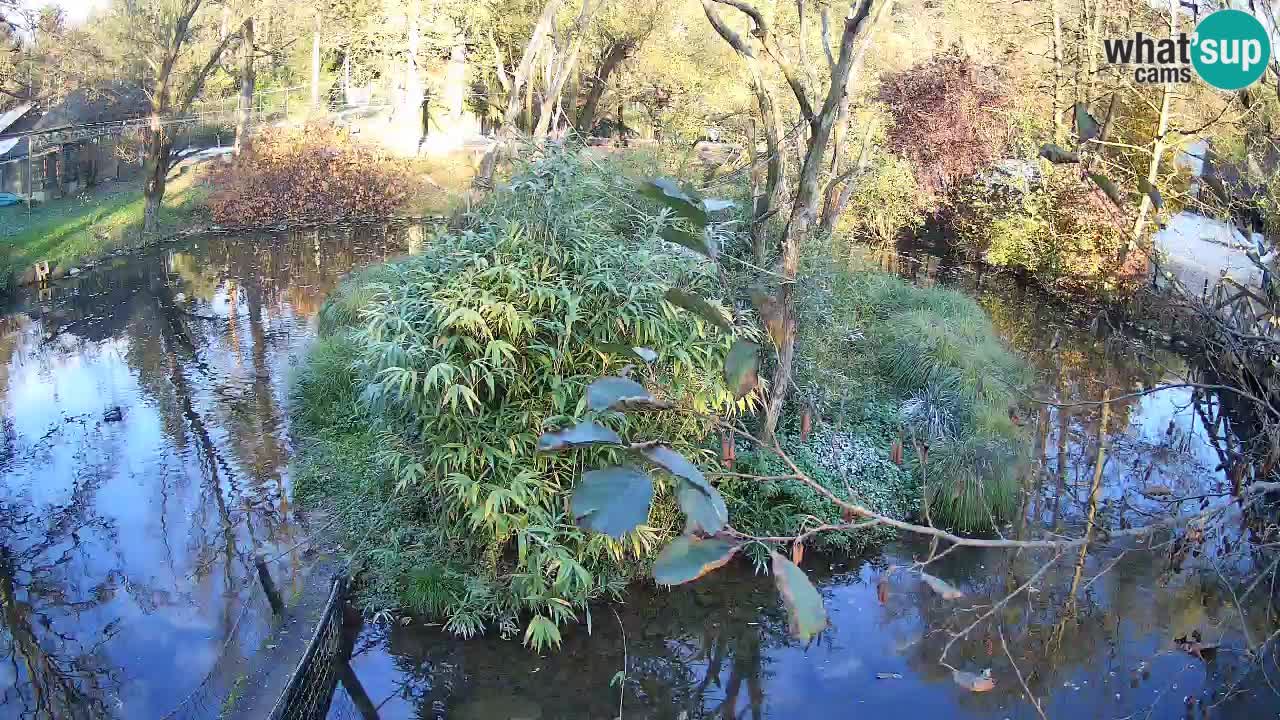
{"points": [[92, 223], [99, 220]]}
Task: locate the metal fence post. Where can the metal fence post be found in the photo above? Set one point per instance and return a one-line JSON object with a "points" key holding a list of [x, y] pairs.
{"points": [[268, 585]]}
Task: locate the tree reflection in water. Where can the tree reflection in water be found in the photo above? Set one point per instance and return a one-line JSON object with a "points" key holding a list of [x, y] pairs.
{"points": [[123, 542], [50, 668]]}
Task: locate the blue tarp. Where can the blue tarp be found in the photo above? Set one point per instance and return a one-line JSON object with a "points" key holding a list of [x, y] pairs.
{"points": [[7, 199]]}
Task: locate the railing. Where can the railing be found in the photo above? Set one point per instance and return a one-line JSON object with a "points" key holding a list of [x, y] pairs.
{"points": [[309, 692]]}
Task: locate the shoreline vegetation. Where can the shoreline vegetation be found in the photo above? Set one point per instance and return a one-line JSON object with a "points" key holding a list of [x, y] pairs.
{"points": [[90, 225], [273, 189], [419, 407]]}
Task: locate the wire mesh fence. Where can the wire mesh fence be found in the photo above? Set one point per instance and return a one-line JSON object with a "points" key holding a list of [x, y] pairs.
{"points": [[310, 690]]}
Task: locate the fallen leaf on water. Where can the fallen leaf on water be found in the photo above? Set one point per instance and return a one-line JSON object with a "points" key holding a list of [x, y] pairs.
{"points": [[888, 676], [942, 587], [972, 682], [1195, 647]]}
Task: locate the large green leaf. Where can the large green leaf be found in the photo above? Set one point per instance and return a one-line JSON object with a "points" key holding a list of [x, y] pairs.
{"points": [[1150, 191], [686, 559], [695, 304], [643, 354], [613, 501], [609, 393], [676, 464], [681, 201], [692, 239], [806, 615], [706, 511], [741, 367], [580, 435], [1108, 187], [1086, 127], [1056, 154]]}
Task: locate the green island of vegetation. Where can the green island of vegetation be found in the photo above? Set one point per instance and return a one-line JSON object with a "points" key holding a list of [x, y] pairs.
{"points": [[422, 403]]}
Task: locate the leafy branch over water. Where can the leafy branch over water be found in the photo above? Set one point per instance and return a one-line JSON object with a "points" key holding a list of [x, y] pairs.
{"points": [[615, 500]]}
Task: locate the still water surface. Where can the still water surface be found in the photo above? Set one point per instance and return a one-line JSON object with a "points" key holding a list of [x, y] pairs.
{"points": [[143, 462]]}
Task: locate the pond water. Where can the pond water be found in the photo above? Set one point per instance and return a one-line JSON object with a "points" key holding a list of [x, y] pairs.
{"points": [[143, 462]]}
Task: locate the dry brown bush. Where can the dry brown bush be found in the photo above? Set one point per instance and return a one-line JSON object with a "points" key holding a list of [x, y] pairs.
{"points": [[317, 173], [943, 114]]}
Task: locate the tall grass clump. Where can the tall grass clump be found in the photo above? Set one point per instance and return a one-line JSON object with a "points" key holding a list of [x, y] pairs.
{"points": [[918, 375], [449, 365]]}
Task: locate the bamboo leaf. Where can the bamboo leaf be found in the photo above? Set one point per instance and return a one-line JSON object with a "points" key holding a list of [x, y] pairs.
{"points": [[806, 615], [612, 501], [1108, 187], [686, 559], [1086, 127], [1150, 191], [580, 435], [695, 304], [706, 512], [1056, 154], [741, 367]]}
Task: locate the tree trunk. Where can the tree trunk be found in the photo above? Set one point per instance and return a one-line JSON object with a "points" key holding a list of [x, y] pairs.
{"points": [[488, 166], [1157, 150], [244, 119], [1059, 122], [759, 238], [837, 196], [618, 51], [315, 69], [775, 185], [804, 209], [158, 146], [1099, 463]]}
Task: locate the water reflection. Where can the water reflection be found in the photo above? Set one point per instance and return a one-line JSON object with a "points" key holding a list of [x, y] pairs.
{"points": [[143, 450], [720, 650], [1099, 643]]}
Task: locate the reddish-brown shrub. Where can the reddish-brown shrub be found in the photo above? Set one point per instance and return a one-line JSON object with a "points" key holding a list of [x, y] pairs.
{"points": [[944, 112], [313, 174]]}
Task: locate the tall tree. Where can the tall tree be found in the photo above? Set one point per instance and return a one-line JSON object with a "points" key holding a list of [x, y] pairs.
{"points": [[180, 45], [820, 120]]}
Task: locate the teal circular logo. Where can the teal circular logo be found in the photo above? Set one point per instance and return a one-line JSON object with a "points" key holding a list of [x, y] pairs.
{"points": [[1231, 49]]}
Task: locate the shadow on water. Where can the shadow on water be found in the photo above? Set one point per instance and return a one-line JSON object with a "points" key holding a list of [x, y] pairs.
{"points": [[143, 461], [719, 648]]}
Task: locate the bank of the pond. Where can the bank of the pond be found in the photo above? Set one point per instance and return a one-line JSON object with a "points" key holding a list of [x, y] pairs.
{"points": [[75, 230], [420, 407]]}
